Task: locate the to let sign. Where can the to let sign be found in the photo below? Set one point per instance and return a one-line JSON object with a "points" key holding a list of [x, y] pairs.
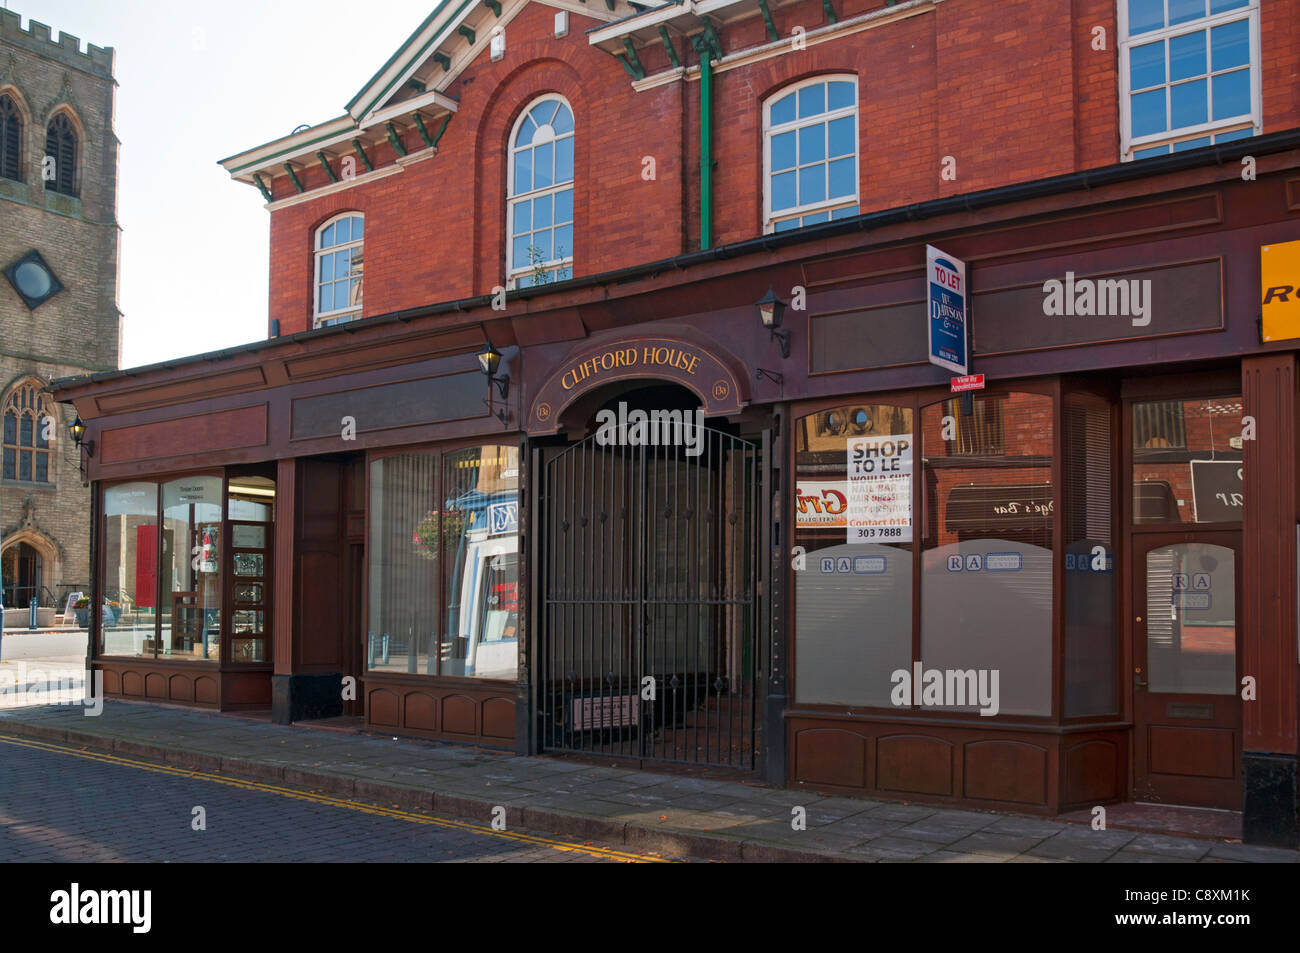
{"points": [[945, 280], [880, 489]]}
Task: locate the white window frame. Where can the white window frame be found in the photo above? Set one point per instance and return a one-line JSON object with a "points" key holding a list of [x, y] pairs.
{"points": [[517, 270], [769, 221], [338, 315], [1128, 144]]}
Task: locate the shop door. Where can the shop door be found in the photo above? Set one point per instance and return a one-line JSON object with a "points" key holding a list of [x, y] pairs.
{"points": [[1186, 673], [647, 572]]}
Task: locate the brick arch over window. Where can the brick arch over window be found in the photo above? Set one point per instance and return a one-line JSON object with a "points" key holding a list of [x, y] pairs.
{"points": [[28, 433], [14, 122], [516, 93], [63, 140]]}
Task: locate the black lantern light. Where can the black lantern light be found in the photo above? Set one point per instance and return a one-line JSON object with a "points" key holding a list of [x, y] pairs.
{"points": [[771, 311], [78, 431], [490, 361]]}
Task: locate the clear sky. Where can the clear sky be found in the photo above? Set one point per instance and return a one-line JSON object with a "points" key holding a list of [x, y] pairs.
{"points": [[198, 82]]}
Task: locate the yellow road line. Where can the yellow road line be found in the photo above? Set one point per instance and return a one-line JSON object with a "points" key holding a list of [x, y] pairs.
{"points": [[326, 799]]}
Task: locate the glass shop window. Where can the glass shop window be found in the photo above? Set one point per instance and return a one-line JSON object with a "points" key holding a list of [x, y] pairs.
{"points": [[130, 570], [251, 505], [853, 518], [1091, 637], [191, 578], [403, 555], [1187, 462], [480, 547], [444, 563], [986, 586]]}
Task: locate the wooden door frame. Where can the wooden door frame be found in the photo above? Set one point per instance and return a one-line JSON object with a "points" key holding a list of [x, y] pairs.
{"points": [[1141, 544]]}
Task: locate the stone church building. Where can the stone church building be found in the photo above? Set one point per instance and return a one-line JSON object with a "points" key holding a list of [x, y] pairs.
{"points": [[58, 296]]}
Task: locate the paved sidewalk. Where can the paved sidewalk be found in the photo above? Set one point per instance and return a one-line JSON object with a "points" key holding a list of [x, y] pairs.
{"points": [[643, 810]]}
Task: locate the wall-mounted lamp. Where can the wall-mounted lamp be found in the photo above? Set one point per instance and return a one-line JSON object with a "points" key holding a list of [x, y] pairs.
{"points": [[78, 431], [771, 311], [490, 360]]}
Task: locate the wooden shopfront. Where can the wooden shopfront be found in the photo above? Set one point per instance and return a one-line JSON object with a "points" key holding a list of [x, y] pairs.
{"points": [[1110, 525]]}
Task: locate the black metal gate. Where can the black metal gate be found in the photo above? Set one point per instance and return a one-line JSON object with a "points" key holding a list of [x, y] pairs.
{"points": [[649, 620]]}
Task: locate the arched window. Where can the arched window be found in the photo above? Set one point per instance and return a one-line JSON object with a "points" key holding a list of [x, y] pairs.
{"points": [[29, 430], [339, 245], [810, 153], [61, 147], [539, 214], [11, 139]]}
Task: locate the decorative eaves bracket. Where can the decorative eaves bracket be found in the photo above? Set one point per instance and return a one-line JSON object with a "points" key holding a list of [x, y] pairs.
{"points": [[261, 186], [361, 152], [668, 45], [293, 177], [772, 35], [325, 164]]}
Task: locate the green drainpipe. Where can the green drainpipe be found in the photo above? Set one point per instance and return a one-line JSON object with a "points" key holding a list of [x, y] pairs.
{"points": [[705, 46]]}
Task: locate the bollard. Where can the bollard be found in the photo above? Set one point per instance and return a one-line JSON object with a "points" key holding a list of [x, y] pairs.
{"points": [[31, 618]]}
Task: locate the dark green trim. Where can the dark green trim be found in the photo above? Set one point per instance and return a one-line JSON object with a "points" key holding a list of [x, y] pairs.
{"points": [[633, 59], [443, 60], [417, 55], [830, 11], [610, 4], [711, 38], [325, 164], [293, 149], [494, 6], [420, 127], [397, 53], [441, 129], [631, 70], [709, 48], [293, 177], [365, 159], [767, 21], [261, 186], [467, 33], [416, 85], [668, 45], [395, 140]]}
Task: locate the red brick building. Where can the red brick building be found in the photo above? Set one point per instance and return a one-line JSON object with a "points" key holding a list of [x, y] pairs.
{"points": [[403, 506]]}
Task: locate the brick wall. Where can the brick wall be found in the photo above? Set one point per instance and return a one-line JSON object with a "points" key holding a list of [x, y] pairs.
{"points": [[1012, 92]]}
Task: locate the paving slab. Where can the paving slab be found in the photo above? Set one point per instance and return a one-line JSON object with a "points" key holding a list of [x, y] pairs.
{"points": [[717, 818]]}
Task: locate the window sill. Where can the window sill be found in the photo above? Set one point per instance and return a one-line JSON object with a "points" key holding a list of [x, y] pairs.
{"points": [[59, 202], [29, 485]]}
